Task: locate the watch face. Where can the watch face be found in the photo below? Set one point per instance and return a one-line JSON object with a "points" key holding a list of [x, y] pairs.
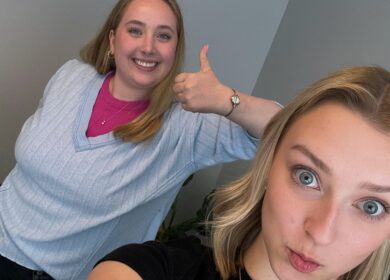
{"points": [[235, 100]]}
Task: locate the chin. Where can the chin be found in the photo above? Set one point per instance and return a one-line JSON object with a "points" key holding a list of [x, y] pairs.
{"points": [[147, 84], [285, 271]]}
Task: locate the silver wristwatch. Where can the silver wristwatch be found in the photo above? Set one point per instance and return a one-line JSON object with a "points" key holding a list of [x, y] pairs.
{"points": [[235, 100]]}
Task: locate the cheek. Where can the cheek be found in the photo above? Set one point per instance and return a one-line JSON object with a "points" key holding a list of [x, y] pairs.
{"points": [[168, 52], [357, 238], [280, 202], [354, 243], [346, 256], [122, 45], [360, 246], [278, 213]]}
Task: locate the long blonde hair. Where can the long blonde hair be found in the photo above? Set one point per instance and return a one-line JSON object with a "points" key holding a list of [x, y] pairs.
{"points": [[237, 207], [96, 53]]}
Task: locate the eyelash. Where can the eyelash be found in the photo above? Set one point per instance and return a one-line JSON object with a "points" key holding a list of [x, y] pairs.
{"points": [[377, 217], [137, 32], [307, 169], [167, 36], [384, 205]]}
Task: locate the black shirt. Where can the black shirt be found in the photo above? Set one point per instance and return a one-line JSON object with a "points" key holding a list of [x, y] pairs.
{"points": [[181, 259]]}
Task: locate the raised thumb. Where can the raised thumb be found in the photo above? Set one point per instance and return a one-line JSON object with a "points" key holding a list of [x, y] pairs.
{"points": [[204, 61]]}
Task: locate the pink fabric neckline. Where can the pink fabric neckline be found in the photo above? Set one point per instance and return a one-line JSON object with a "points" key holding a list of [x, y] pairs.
{"points": [[115, 112]]}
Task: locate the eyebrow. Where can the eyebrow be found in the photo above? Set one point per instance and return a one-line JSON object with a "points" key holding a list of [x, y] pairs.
{"points": [[137, 22], [376, 188], [316, 161], [320, 164]]}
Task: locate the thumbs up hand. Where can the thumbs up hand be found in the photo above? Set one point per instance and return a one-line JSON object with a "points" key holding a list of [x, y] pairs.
{"points": [[202, 91]]}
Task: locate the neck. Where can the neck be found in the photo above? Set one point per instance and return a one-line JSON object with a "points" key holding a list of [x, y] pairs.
{"points": [[121, 91], [256, 261]]}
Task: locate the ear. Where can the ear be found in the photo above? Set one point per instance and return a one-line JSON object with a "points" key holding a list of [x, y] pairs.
{"points": [[111, 38]]}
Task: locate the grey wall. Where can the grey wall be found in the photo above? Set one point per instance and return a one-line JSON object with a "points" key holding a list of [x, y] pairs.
{"points": [[239, 34], [37, 36], [315, 38], [40, 35]]}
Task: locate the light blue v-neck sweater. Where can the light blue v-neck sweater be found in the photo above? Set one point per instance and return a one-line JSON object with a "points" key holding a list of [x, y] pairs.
{"points": [[71, 199]]}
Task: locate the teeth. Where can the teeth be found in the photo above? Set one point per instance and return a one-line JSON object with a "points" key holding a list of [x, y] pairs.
{"points": [[145, 64]]}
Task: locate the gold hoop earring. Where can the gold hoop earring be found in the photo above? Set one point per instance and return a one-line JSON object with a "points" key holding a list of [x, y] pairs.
{"points": [[108, 61]]}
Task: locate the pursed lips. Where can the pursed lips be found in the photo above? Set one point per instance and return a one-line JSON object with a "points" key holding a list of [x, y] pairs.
{"points": [[302, 263]]}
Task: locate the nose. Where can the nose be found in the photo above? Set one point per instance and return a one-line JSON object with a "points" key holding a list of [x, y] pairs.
{"points": [[321, 222], [148, 45]]}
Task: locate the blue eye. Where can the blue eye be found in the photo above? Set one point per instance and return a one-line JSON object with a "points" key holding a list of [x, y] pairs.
{"points": [[164, 37], [306, 178], [372, 207]]}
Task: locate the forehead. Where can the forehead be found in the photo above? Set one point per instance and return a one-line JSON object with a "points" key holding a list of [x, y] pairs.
{"points": [[344, 140], [150, 12]]}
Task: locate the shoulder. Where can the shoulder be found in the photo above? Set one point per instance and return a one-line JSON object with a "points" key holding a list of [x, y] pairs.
{"points": [[184, 248], [75, 67], [73, 74], [113, 270], [184, 258]]}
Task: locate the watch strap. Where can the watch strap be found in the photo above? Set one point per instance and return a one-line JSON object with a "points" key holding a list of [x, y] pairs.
{"points": [[234, 105]]}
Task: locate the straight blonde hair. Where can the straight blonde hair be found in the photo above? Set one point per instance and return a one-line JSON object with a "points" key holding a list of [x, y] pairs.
{"points": [[236, 212], [96, 53]]}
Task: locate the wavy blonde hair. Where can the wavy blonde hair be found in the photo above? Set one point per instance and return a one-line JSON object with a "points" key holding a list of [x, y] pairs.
{"points": [[96, 53], [237, 208]]}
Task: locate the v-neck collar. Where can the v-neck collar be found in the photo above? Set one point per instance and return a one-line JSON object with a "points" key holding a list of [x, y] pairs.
{"points": [[80, 139]]}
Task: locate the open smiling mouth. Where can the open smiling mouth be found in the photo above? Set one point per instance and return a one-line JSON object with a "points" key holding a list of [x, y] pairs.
{"points": [[145, 64]]}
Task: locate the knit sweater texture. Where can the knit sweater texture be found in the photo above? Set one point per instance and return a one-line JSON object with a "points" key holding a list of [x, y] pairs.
{"points": [[71, 199]]}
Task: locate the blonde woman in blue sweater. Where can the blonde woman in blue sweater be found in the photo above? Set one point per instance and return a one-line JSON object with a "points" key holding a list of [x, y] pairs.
{"points": [[103, 157]]}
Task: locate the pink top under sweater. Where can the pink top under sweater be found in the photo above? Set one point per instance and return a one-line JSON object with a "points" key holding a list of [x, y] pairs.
{"points": [[109, 112]]}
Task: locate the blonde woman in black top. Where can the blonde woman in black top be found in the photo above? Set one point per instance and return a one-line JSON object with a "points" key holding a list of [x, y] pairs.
{"points": [[314, 205]]}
